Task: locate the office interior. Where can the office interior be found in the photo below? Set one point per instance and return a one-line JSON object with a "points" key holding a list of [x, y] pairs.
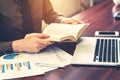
{"points": [[72, 7]]}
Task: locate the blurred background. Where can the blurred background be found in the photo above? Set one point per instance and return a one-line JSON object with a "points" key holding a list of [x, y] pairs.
{"points": [[72, 7]]}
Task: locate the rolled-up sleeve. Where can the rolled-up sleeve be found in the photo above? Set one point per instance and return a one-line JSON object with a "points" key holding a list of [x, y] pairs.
{"points": [[50, 15]]}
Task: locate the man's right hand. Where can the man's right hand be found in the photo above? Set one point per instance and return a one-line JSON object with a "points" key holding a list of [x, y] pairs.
{"points": [[33, 42]]}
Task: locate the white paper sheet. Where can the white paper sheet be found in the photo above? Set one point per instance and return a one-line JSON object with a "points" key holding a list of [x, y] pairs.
{"points": [[24, 64]]}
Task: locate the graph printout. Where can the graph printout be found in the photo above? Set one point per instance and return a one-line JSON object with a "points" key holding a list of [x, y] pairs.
{"points": [[17, 65]]}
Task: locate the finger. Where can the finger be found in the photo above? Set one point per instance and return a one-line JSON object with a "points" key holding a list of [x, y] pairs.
{"points": [[42, 36], [42, 46], [71, 21], [39, 35], [31, 35], [68, 21], [44, 41], [77, 21]]}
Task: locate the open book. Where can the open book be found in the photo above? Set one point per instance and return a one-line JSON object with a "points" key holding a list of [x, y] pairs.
{"points": [[65, 32]]}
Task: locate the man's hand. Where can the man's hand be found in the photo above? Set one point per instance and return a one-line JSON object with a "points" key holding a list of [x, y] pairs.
{"points": [[70, 21], [33, 42]]}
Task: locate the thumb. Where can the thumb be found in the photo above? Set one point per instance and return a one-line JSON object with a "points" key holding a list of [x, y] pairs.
{"points": [[42, 36], [39, 35]]}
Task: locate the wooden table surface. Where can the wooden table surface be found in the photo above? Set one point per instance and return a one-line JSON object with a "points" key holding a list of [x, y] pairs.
{"points": [[100, 18]]}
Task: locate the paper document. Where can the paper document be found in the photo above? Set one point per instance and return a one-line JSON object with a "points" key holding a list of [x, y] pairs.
{"points": [[54, 56], [18, 65]]}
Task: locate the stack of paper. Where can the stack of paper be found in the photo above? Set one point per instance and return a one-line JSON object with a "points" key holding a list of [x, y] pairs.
{"points": [[18, 65]]}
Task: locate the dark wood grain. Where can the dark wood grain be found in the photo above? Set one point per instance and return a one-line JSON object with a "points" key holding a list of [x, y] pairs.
{"points": [[100, 18]]}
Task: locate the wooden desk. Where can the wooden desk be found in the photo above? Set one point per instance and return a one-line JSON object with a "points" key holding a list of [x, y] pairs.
{"points": [[101, 18]]}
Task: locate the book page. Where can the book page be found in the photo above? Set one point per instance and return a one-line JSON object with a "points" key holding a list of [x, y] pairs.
{"points": [[58, 30], [60, 37]]}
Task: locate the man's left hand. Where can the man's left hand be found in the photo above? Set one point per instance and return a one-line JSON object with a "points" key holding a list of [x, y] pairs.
{"points": [[70, 21]]}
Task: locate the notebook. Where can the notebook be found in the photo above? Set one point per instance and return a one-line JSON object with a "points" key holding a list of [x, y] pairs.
{"points": [[97, 51]]}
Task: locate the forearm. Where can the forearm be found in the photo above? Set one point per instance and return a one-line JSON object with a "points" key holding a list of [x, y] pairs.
{"points": [[5, 47], [49, 15]]}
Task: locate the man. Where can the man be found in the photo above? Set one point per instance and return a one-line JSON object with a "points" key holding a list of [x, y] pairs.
{"points": [[14, 37]]}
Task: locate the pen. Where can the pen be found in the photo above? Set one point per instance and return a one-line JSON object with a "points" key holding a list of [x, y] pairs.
{"points": [[47, 65]]}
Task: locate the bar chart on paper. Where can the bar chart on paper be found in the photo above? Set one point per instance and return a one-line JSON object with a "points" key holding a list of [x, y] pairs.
{"points": [[16, 66]]}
